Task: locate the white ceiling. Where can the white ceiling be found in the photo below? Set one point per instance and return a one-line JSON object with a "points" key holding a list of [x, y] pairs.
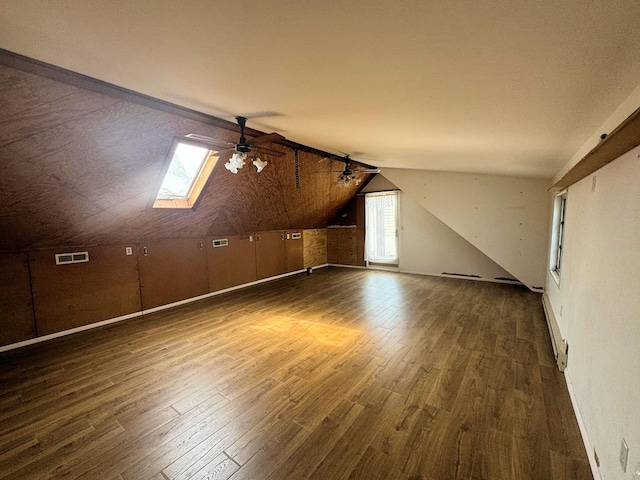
{"points": [[499, 86]]}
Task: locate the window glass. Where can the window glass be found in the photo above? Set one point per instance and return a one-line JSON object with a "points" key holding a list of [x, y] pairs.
{"points": [[189, 166], [185, 166]]}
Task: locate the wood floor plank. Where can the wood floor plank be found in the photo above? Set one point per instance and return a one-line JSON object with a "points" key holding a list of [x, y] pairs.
{"points": [[305, 459], [374, 465], [343, 374], [350, 447], [531, 453]]}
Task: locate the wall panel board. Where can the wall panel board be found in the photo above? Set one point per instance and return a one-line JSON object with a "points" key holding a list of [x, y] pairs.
{"points": [[17, 321], [70, 296], [234, 264], [342, 245], [314, 247], [172, 270], [294, 251], [271, 254]]}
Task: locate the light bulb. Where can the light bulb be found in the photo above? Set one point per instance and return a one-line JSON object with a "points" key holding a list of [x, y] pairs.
{"points": [[231, 167], [259, 164]]}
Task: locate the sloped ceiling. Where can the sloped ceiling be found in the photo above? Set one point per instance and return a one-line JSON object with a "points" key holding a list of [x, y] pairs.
{"points": [[500, 87], [80, 167]]}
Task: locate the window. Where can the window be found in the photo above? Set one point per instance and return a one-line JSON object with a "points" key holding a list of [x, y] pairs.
{"points": [[557, 235], [186, 174], [382, 228]]}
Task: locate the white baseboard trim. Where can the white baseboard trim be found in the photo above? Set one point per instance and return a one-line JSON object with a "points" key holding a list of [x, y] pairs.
{"points": [[219, 292], [140, 313], [346, 266], [383, 268], [400, 270], [477, 279], [71, 331], [319, 266], [583, 429]]}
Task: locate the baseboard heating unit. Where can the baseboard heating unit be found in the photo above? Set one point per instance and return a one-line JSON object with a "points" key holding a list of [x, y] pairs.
{"points": [[559, 345]]}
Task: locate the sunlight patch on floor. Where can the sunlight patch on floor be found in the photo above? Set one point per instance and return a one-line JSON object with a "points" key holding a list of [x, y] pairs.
{"points": [[323, 333]]}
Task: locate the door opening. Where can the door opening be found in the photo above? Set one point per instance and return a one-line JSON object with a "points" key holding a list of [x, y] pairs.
{"points": [[382, 228]]}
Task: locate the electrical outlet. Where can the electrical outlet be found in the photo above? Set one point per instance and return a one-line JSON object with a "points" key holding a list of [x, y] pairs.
{"points": [[129, 251], [624, 455]]}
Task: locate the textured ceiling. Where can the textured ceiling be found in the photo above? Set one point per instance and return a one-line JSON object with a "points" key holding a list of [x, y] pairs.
{"points": [[506, 87]]}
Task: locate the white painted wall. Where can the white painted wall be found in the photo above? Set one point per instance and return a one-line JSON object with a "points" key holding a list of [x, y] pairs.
{"points": [[428, 246], [597, 305], [506, 218], [379, 183]]}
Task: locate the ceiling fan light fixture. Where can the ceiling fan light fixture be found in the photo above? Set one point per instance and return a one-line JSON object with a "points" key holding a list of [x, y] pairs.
{"points": [[236, 162], [346, 179], [259, 164]]}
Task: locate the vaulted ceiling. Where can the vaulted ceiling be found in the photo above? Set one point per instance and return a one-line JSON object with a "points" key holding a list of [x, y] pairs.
{"points": [[491, 87]]}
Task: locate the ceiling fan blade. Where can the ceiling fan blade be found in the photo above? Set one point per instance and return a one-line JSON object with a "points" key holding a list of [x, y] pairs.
{"points": [[271, 137], [225, 152], [353, 171], [268, 151], [209, 140]]}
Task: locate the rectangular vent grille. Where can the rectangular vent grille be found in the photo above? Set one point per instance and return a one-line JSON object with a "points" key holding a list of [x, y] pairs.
{"points": [[221, 242], [75, 257], [296, 236]]}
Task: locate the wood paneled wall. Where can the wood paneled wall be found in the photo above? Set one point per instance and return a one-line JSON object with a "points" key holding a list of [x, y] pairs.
{"points": [[346, 235], [17, 322], [315, 247], [113, 284], [231, 265], [74, 295], [79, 168], [342, 245], [277, 252], [294, 247], [172, 270]]}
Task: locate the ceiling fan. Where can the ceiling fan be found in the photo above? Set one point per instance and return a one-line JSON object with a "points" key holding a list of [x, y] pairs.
{"points": [[348, 175], [243, 147]]}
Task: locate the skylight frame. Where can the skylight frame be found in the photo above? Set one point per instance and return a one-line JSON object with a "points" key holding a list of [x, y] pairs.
{"points": [[198, 183]]}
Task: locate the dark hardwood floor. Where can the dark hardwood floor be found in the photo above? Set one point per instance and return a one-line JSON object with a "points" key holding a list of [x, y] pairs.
{"points": [[342, 374]]}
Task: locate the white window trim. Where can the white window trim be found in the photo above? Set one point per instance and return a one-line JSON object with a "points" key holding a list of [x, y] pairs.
{"points": [[558, 236], [391, 266]]}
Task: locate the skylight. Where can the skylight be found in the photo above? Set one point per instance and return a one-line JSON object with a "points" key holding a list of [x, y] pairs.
{"points": [[187, 173]]}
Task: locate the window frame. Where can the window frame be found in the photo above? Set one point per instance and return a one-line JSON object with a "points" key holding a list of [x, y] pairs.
{"points": [[558, 235], [381, 262], [201, 180]]}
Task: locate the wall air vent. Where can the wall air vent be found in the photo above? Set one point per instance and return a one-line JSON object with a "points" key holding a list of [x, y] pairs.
{"points": [[221, 242], [296, 236], [75, 257]]}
